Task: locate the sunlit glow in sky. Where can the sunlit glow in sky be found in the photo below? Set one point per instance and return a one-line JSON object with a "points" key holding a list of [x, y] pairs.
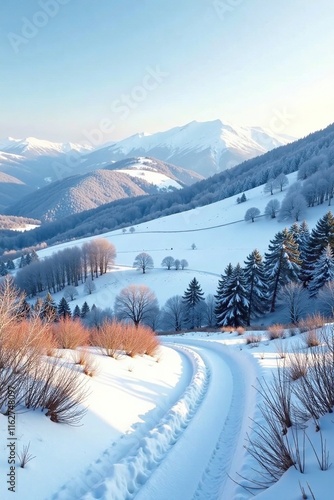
{"points": [[72, 66]]}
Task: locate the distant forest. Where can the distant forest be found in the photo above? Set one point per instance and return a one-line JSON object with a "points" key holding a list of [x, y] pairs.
{"points": [[308, 155]]}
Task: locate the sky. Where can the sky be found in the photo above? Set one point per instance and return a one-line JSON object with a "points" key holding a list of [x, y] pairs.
{"points": [[84, 70]]}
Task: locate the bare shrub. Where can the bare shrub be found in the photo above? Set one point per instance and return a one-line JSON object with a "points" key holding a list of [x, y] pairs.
{"points": [[277, 397], [311, 338], [280, 348], [270, 448], [87, 361], [275, 331], [109, 338], [70, 334], [51, 386], [312, 322], [24, 456], [297, 365], [240, 330], [316, 389], [253, 339]]}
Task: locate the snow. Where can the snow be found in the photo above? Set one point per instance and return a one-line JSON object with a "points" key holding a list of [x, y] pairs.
{"points": [[204, 135], [31, 146], [160, 180], [173, 426]]}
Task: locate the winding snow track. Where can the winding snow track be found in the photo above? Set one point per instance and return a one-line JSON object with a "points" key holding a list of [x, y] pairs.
{"points": [[188, 452]]}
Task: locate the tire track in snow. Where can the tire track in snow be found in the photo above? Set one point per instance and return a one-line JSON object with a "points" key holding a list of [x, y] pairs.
{"points": [[120, 477], [227, 455]]}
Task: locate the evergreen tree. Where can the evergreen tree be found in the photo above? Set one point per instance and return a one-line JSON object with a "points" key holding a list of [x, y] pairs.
{"points": [[321, 236], [76, 312], [234, 300], [49, 308], [323, 271], [282, 263], [84, 309], [24, 310], [3, 269], [256, 285], [64, 310], [28, 259], [23, 262], [220, 305], [10, 265], [192, 298], [33, 257]]}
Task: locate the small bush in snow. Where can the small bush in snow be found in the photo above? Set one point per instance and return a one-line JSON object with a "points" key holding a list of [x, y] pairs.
{"points": [[275, 332]]}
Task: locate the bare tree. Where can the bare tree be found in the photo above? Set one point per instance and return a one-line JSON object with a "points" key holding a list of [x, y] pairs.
{"points": [[281, 181], [136, 303], [209, 314], [89, 286], [295, 297], [173, 313], [70, 292], [270, 186], [184, 263], [251, 214], [293, 206], [177, 264], [132, 230], [272, 209], [326, 299], [143, 261], [168, 262]]}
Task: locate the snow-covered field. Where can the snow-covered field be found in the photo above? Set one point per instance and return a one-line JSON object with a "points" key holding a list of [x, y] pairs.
{"points": [[174, 426]]}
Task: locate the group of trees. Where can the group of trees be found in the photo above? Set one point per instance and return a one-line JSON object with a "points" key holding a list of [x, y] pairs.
{"points": [[67, 268], [297, 267], [169, 262]]}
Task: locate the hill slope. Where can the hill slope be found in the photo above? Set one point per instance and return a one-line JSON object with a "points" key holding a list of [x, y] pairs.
{"points": [[126, 179]]}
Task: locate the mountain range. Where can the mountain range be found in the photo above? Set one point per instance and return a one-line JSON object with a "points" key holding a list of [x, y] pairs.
{"points": [[204, 147]]}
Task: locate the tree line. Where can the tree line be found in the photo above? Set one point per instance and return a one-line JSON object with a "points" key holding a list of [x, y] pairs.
{"points": [[67, 267]]}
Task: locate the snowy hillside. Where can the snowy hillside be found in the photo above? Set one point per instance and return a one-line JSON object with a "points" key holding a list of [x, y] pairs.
{"points": [[174, 426], [219, 232]]}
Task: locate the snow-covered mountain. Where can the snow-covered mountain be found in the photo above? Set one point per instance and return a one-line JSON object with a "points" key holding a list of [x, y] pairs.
{"points": [[32, 147], [202, 147], [205, 147]]}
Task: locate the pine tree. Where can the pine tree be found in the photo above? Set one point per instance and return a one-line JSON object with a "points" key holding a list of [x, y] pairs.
{"points": [[84, 309], [23, 262], [24, 310], [192, 299], [256, 285], [49, 308], [10, 265], [64, 310], [3, 269], [235, 300], [282, 263], [34, 257], [321, 236], [220, 307], [76, 312], [323, 271]]}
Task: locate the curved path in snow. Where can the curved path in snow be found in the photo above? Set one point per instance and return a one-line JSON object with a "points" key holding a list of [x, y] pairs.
{"points": [[212, 446], [188, 451]]}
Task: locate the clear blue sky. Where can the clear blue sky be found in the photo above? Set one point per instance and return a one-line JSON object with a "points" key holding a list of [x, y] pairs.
{"points": [[243, 61]]}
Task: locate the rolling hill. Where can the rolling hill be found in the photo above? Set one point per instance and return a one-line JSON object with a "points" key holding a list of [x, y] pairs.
{"points": [[125, 179]]}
